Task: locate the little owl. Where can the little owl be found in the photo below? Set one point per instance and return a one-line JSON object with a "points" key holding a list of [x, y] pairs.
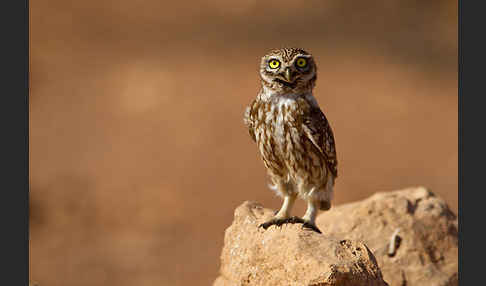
{"points": [[295, 140]]}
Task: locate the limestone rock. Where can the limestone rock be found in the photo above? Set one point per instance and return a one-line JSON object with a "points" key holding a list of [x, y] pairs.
{"points": [[291, 255], [427, 252]]}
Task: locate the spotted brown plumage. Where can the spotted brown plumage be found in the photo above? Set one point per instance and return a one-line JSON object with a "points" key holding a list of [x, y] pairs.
{"points": [[293, 136], [318, 130]]}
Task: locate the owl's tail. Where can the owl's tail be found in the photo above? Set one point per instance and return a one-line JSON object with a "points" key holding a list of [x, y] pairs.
{"points": [[327, 194], [324, 205]]}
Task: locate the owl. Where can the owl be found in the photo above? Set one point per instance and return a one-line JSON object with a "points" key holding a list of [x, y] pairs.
{"points": [[293, 135]]}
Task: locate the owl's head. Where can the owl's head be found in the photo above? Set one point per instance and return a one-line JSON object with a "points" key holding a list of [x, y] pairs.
{"points": [[288, 70]]}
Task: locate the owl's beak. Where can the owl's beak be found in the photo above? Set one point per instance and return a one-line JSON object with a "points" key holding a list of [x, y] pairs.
{"points": [[287, 75]]}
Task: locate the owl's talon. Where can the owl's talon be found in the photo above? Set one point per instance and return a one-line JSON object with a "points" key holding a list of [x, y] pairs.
{"points": [[295, 219], [281, 221], [311, 226]]}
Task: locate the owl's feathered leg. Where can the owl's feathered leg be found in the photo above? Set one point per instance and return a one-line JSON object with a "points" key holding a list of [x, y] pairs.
{"points": [[310, 214], [318, 198], [287, 205], [313, 205], [283, 215]]}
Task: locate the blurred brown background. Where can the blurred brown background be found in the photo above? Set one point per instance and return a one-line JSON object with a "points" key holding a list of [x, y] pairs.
{"points": [[138, 152]]}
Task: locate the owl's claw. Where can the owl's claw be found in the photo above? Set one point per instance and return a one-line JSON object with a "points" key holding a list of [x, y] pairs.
{"points": [[293, 220], [281, 221], [311, 226], [276, 222]]}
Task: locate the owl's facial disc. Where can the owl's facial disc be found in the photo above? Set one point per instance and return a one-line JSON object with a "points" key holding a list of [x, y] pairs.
{"points": [[287, 72]]}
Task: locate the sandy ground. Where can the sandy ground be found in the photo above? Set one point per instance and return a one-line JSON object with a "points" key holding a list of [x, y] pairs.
{"points": [[138, 152]]}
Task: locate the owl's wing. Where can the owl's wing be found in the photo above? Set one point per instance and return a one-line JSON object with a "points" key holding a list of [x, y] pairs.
{"points": [[248, 120], [317, 129]]}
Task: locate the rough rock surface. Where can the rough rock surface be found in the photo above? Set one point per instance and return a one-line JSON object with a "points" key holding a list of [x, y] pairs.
{"points": [[426, 247], [427, 252], [291, 255]]}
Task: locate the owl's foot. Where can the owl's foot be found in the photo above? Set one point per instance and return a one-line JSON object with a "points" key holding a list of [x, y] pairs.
{"points": [[312, 226], [281, 221]]}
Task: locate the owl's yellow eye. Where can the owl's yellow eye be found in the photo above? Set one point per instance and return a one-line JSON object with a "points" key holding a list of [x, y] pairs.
{"points": [[301, 62], [273, 64]]}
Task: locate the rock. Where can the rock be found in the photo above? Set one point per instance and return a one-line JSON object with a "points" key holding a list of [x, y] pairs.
{"points": [[427, 253], [291, 255]]}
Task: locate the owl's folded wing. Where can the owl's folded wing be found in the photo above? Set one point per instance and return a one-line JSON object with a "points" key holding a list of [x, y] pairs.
{"points": [[317, 129], [248, 120]]}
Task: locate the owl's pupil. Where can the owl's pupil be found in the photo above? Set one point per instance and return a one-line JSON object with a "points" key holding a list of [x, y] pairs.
{"points": [[274, 63]]}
